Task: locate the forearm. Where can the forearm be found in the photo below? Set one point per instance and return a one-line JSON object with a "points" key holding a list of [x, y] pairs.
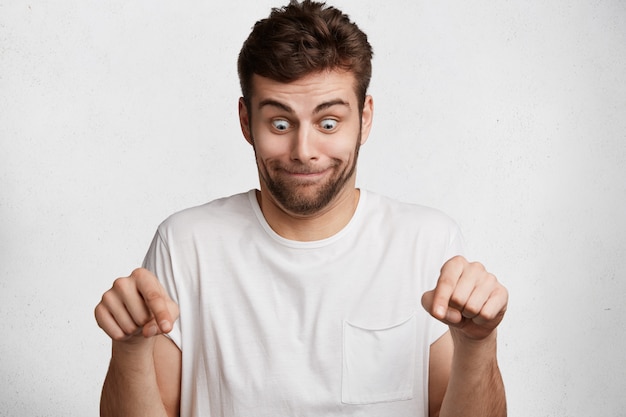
{"points": [[475, 387], [130, 388]]}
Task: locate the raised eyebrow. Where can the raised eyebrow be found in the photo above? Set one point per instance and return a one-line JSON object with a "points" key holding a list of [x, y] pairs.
{"points": [[327, 104], [274, 103], [319, 108]]}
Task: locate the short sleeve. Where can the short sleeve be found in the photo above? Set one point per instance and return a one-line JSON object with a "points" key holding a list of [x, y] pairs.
{"points": [[159, 262]]}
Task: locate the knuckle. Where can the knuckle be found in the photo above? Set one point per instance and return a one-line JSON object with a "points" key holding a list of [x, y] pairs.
{"points": [[458, 259], [120, 284], [489, 280], [138, 273], [107, 299], [460, 262], [141, 274], [455, 262], [477, 267]]}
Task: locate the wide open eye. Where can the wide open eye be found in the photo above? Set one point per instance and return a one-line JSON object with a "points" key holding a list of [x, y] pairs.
{"points": [[280, 124], [328, 124]]}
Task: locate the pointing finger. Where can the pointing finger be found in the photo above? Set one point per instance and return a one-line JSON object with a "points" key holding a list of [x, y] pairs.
{"points": [[155, 299], [446, 285]]}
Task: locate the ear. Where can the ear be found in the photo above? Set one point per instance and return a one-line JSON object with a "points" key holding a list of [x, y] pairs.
{"points": [[244, 120], [367, 118]]}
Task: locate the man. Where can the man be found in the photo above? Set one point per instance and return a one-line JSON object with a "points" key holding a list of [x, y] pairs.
{"points": [[303, 298]]}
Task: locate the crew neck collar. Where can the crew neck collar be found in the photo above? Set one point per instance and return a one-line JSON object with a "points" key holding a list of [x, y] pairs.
{"points": [[307, 244]]}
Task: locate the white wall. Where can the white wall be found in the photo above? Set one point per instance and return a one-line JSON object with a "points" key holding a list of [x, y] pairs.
{"points": [[510, 116]]}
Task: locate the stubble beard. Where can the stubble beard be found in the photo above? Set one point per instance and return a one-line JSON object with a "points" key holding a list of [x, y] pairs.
{"points": [[294, 198]]}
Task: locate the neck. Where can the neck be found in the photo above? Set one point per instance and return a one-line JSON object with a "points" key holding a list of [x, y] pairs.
{"points": [[305, 228]]}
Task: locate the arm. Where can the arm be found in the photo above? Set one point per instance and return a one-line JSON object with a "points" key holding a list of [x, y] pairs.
{"points": [[144, 373], [464, 376], [470, 381], [143, 380]]}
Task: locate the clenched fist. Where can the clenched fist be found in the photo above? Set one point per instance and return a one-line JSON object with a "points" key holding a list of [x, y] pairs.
{"points": [[467, 298], [136, 305]]}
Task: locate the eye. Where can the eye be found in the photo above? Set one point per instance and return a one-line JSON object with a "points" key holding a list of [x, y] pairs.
{"points": [[281, 124], [328, 124]]}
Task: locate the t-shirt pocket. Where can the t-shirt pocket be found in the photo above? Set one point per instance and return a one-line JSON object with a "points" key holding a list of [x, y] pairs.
{"points": [[378, 364]]}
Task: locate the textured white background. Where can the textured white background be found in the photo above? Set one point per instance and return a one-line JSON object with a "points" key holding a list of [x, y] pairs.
{"points": [[510, 116]]}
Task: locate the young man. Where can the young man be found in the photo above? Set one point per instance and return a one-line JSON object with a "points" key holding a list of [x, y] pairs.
{"points": [[303, 298]]}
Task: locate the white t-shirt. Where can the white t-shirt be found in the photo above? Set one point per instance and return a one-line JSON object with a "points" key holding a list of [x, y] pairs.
{"points": [[274, 327]]}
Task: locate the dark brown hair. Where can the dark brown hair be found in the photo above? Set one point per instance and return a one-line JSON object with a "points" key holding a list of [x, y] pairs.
{"points": [[302, 38]]}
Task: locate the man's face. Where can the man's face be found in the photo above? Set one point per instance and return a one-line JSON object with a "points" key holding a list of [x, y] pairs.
{"points": [[306, 136]]}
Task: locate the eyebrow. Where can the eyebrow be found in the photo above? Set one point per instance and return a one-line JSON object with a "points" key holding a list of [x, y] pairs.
{"points": [[331, 103], [274, 103], [320, 107]]}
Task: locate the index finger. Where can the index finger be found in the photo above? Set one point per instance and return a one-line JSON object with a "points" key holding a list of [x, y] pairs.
{"points": [[450, 273], [155, 298]]}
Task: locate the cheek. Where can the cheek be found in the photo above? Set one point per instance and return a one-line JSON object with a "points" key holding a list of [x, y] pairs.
{"points": [[343, 153], [343, 149], [270, 149], [267, 145]]}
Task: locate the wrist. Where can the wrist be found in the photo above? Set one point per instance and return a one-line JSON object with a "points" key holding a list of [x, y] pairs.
{"points": [[135, 346], [476, 351], [133, 360]]}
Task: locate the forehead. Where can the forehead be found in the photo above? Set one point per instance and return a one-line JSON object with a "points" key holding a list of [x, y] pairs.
{"points": [[309, 90]]}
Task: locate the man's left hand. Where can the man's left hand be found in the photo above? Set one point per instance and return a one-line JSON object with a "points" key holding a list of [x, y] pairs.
{"points": [[467, 298]]}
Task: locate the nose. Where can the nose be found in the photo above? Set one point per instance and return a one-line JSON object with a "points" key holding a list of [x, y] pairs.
{"points": [[303, 147]]}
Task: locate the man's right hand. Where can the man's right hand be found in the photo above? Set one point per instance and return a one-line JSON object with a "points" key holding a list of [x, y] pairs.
{"points": [[136, 308]]}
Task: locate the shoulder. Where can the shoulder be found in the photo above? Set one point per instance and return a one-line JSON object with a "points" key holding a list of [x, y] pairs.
{"points": [[415, 227], [232, 210], [408, 215]]}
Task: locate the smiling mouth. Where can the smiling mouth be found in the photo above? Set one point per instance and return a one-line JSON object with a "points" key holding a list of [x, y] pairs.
{"points": [[303, 172], [303, 177]]}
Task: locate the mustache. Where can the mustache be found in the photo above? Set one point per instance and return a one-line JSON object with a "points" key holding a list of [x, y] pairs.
{"points": [[302, 168]]}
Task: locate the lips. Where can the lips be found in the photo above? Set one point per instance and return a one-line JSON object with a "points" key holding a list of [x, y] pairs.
{"points": [[300, 170], [303, 173]]}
